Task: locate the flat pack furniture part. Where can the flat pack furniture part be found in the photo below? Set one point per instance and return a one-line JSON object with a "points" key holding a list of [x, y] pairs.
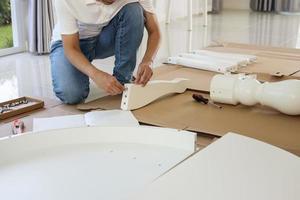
{"points": [[182, 112], [234, 89], [89, 163], [208, 65], [137, 96], [216, 60], [244, 58], [103, 118], [233, 168]]}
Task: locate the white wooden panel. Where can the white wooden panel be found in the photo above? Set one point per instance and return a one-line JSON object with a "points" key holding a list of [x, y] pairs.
{"points": [[88, 163], [233, 168]]}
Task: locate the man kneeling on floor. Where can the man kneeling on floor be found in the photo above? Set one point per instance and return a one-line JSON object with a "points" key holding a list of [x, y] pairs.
{"points": [[97, 29]]}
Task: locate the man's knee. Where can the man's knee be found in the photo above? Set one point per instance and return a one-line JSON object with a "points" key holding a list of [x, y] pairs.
{"points": [[69, 85], [133, 12], [71, 95]]}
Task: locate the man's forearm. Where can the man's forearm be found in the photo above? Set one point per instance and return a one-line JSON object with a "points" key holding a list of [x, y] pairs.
{"points": [[77, 58], [152, 47], [153, 37]]}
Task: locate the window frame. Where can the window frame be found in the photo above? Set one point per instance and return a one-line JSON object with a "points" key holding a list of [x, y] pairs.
{"points": [[18, 12]]}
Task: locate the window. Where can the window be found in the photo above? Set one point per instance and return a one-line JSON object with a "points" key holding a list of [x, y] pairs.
{"points": [[12, 32]]}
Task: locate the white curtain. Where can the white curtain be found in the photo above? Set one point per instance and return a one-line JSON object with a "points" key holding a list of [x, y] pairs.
{"points": [[217, 6], [288, 6], [41, 23], [263, 5], [275, 5]]}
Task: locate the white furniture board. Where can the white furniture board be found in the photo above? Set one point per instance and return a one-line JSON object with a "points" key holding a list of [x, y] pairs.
{"points": [[88, 163], [233, 168], [216, 60], [249, 58], [115, 118], [51, 123], [202, 64]]}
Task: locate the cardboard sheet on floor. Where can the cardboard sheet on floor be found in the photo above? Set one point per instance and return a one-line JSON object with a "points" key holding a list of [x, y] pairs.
{"points": [[182, 112], [261, 49], [273, 67], [197, 79], [271, 60]]}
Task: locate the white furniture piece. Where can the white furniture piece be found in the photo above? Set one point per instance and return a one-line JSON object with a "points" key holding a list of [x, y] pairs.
{"points": [[88, 163], [103, 118], [233, 168], [217, 60], [189, 11], [243, 59], [208, 64], [212, 61], [283, 96], [137, 96]]}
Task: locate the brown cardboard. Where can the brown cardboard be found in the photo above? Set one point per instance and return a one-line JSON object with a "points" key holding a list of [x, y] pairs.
{"points": [[105, 103], [260, 48], [198, 79], [297, 74], [272, 66], [271, 60]]}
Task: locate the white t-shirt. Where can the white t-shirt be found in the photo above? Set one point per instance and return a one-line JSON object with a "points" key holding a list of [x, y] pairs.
{"points": [[88, 17]]}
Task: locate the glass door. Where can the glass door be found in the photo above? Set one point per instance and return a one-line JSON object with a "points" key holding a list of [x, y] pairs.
{"points": [[6, 33], [12, 34]]}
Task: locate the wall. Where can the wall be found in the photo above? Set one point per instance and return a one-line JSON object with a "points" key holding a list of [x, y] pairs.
{"points": [[236, 4], [179, 8]]}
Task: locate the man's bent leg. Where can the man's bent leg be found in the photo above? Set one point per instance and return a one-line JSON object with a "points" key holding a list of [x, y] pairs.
{"points": [[69, 84], [123, 36]]}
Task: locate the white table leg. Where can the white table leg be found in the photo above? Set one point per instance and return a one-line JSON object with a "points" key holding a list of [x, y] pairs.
{"points": [[190, 14], [154, 3], [169, 7], [205, 11], [190, 42]]}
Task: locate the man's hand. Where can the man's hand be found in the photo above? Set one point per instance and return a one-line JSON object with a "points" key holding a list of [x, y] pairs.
{"points": [[108, 2], [108, 82], [144, 73]]}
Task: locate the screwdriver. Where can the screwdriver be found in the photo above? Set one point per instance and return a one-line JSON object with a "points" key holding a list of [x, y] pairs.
{"points": [[199, 98]]}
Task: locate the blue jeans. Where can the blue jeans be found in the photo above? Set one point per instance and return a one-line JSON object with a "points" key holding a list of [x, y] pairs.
{"points": [[121, 37]]}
